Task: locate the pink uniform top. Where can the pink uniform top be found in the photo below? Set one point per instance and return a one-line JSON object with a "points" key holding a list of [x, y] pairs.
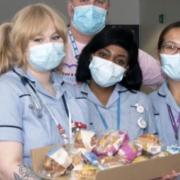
{"points": [[70, 62], [151, 70], [150, 67]]}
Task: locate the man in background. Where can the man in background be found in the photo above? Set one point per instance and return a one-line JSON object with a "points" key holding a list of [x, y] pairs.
{"points": [[88, 17]]}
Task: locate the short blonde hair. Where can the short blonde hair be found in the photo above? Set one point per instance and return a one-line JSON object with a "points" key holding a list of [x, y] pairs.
{"points": [[28, 23]]}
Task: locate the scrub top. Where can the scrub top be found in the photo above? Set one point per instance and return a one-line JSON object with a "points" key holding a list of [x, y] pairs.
{"points": [[20, 121], [161, 99], [127, 111]]}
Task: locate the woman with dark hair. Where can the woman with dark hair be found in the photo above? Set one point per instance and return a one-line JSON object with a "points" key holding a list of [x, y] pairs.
{"points": [[118, 37], [107, 97]]}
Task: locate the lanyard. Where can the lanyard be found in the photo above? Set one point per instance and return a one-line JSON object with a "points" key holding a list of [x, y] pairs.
{"points": [[104, 122], [60, 128], [175, 124], [74, 44]]}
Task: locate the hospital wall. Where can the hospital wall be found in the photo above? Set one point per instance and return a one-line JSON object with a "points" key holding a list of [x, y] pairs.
{"points": [[154, 16], [144, 13]]}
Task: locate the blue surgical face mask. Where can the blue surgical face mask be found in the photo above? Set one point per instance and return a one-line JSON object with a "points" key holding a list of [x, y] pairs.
{"points": [[105, 73], [89, 19], [45, 57], [171, 65]]}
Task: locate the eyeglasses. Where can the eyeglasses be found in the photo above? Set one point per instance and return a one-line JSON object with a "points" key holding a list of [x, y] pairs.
{"points": [[170, 48]]}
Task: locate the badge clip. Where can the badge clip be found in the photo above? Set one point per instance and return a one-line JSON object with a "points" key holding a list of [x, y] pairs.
{"points": [[142, 123], [139, 108]]}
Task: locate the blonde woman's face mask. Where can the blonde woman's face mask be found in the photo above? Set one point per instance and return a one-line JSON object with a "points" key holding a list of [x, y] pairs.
{"points": [[45, 51]]}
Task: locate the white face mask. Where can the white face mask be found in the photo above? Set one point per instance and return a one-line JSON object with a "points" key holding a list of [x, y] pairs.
{"points": [[171, 65], [105, 73], [45, 57], [89, 19]]}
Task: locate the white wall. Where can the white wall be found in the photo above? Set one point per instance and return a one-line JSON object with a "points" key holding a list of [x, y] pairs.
{"points": [[124, 12], [9, 7], [150, 27], [121, 12]]}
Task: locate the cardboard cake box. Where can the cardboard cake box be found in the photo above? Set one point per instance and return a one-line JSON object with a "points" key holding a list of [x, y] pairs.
{"points": [[145, 170]]}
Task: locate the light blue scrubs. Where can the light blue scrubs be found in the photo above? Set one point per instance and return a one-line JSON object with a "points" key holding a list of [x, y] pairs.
{"points": [[18, 120], [120, 113], [160, 99]]}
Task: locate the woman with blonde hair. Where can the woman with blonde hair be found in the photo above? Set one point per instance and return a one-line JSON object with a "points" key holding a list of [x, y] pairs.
{"points": [[33, 109]]}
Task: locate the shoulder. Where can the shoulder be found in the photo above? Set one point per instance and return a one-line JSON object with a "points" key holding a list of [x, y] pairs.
{"points": [[7, 78], [144, 55], [130, 95], [143, 99], [147, 59], [160, 93], [137, 95], [153, 94], [73, 90], [158, 97], [9, 82]]}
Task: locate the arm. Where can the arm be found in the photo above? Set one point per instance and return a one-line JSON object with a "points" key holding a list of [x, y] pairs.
{"points": [[10, 157], [11, 167], [171, 176], [151, 70], [11, 132]]}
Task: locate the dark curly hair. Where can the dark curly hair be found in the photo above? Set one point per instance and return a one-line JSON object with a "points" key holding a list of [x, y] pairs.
{"points": [[112, 36]]}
